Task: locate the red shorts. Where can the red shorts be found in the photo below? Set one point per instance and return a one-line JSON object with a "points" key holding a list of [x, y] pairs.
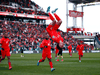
{"points": [[56, 50], [80, 53], [55, 27], [70, 51], [5, 53], [48, 55]]}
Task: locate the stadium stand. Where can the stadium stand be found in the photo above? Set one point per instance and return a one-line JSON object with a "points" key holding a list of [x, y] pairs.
{"points": [[29, 34]]}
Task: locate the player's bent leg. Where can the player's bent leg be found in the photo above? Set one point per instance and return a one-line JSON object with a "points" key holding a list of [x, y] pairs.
{"points": [[51, 65], [79, 58], [62, 58], [41, 60], [9, 63]]}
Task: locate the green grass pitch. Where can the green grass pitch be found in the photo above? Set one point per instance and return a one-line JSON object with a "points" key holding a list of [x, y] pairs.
{"points": [[89, 65]]}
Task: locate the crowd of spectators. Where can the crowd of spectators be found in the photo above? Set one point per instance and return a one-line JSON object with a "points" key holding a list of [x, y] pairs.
{"points": [[21, 9], [30, 35]]}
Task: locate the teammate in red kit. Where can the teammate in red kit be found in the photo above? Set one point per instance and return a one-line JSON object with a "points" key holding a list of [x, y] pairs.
{"points": [[0, 51], [46, 45], [52, 30], [5, 49], [80, 49], [0, 55], [70, 50], [56, 52]]}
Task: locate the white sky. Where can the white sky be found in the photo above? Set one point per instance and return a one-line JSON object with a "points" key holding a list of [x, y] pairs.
{"points": [[91, 17]]}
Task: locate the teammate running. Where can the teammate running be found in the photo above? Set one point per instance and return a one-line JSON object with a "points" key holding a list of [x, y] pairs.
{"points": [[5, 49], [46, 52], [70, 50], [80, 49]]}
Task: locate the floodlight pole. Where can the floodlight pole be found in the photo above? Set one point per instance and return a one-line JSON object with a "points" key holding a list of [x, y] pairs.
{"points": [[74, 18], [82, 17], [67, 1]]}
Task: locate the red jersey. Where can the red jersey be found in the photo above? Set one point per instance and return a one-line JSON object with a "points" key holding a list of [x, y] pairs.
{"points": [[46, 43], [56, 37], [70, 48], [5, 43], [80, 49]]}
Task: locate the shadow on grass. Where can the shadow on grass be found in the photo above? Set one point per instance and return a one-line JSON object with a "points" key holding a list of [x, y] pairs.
{"points": [[3, 68]]}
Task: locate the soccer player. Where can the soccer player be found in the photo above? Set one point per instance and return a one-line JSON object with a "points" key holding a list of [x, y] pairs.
{"points": [[70, 50], [0, 55], [22, 49], [52, 30], [46, 45], [80, 49], [5, 49], [0, 51]]}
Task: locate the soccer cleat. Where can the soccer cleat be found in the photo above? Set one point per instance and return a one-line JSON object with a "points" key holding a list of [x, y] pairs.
{"points": [[70, 56], [38, 63], [79, 60], [62, 60], [54, 10], [52, 69], [57, 60], [10, 68], [48, 9], [55, 57]]}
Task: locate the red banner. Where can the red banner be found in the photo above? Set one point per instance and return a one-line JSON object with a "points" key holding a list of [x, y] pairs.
{"points": [[75, 29], [73, 13], [24, 15]]}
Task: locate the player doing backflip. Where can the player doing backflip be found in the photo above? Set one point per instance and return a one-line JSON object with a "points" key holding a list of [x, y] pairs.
{"points": [[52, 31]]}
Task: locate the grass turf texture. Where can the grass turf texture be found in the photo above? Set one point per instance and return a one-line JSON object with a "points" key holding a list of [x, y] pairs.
{"points": [[89, 65]]}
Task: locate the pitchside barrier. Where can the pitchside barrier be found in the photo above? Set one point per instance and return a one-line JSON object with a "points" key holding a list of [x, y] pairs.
{"points": [[30, 52]]}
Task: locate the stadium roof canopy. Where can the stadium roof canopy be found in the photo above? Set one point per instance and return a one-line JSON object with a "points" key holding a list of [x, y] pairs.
{"points": [[83, 1]]}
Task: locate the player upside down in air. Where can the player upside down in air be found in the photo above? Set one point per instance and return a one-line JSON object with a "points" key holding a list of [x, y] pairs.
{"points": [[6, 49], [52, 31], [46, 45]]}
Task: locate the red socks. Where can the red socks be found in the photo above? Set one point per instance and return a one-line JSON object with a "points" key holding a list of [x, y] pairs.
{"points": [[57, 17], [40, 60], [51, 17], [51, 64], [9, 63], [79, 57], [70, 54]]}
